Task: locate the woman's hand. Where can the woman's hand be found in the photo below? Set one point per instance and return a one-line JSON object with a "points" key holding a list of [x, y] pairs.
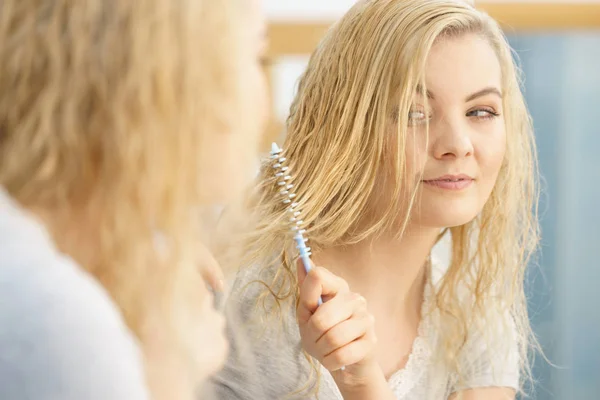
{"points": [[340, 332]]}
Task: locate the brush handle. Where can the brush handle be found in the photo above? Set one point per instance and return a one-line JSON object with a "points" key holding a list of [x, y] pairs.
{"points": [[304, 256]]}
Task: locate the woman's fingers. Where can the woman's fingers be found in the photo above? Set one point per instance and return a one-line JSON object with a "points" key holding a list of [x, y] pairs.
{"points": [[340, 332], [210, 270], [337, 310], [316, 284], [349, 354], [343, 334]]}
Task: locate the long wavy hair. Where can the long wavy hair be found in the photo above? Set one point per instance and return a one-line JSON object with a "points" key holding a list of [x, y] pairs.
{"points": [[105, 109], [367, 68]]}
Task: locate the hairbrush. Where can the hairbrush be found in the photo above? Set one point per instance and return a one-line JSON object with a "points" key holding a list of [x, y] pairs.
{"points": [[283, 181], [286, 192]]}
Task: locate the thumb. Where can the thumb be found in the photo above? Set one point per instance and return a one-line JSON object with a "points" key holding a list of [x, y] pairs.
{"points": [[209, 269]]}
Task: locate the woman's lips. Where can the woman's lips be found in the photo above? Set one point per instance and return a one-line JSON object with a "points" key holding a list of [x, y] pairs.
{"points": [[450, 182]]}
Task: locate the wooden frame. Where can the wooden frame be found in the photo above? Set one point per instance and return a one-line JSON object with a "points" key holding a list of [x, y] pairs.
{"points": [[300, 38]]}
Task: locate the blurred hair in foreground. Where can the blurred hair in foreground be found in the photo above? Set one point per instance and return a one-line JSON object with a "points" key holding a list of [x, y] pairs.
{"points": [[125, 118]]}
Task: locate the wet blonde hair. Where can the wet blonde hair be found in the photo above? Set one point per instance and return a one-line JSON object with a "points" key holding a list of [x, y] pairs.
{"points": [[104, 108], [367, 68]]}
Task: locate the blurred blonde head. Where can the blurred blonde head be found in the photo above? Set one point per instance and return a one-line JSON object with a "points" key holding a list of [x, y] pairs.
{"points": [[126, 118], [342, 156]]}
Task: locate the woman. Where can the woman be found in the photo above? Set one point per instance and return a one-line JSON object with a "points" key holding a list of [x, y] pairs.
{"points": [[408, 122], [120, 123]]}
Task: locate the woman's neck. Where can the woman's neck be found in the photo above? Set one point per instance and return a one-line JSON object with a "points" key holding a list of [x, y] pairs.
{"points": [[389, 272]]}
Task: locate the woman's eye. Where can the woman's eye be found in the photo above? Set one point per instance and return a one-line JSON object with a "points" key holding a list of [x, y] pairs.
{"points": [[483, 113], [416, 117]]}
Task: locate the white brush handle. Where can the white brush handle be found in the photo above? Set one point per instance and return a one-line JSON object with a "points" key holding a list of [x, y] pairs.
{"points": [[304, 255]]}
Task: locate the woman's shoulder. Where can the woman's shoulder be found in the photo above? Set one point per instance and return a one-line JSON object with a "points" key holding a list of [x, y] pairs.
{"points": [[258, 284], [265, 359], [61, 335]]}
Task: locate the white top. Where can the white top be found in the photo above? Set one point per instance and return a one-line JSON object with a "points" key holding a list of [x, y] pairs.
{"points": [[280, 368], [61, 335]]}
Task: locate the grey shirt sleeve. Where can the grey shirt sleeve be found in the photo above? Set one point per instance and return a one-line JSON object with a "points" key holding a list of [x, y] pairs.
{"points": [[266, 359], [62, 337]]}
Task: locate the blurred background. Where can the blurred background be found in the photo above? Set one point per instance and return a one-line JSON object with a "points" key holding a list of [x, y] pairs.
{"points": [[558, 43]]}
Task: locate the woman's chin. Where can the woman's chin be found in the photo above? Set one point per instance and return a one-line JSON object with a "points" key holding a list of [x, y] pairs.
{"points": [[446, 217]]}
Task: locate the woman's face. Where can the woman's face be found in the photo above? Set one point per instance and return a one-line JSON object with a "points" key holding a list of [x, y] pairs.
{"points": [[231, 158], [462, 157]]}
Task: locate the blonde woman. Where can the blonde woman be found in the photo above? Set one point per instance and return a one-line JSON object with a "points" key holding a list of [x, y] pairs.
{"points": [[120, 122], [408, 122]]}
